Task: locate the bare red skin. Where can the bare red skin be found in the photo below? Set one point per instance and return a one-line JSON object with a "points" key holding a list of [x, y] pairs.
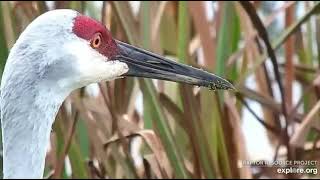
{"points": [[86, 28]]}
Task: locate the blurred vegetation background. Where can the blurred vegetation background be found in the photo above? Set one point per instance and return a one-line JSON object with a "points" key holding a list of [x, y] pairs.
{"points": [[142, 128]]}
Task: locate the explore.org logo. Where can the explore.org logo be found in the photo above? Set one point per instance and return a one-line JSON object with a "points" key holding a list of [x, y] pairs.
{"points": [[285, 166]]}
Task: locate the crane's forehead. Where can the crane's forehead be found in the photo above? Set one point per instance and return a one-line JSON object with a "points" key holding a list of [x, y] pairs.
{"points": [[86, 27]]}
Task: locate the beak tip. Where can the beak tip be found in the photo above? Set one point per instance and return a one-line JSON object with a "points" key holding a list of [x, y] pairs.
{"points": [[221, 84], [230, 86]]}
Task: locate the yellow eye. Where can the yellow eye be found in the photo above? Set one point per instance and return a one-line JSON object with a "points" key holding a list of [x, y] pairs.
{"points": [[96, 40]]}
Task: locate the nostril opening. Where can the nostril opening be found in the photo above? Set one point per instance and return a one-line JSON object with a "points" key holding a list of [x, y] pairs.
{"points": [[163, 65]]}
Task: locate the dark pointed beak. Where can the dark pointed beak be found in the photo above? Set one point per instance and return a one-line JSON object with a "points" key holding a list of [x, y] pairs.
{"points": [[146, 64]]}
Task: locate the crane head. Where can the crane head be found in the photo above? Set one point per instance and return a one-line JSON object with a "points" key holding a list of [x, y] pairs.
{"points": [[90, 54], [142, 63]]}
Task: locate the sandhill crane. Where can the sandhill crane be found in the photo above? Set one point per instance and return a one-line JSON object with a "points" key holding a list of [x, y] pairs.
{"points": [[60, 51]]}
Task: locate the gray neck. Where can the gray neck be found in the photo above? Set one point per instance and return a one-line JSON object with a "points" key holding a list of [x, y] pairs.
{"points": [[26, 128], [31, 94], [30, 99]]}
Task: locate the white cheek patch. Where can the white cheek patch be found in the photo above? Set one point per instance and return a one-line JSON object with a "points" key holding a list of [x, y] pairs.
{"points": [[111, 70], [90, 65]]}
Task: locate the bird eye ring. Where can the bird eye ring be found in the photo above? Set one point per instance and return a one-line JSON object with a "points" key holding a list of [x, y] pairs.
{"points": [[96, 40]]}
